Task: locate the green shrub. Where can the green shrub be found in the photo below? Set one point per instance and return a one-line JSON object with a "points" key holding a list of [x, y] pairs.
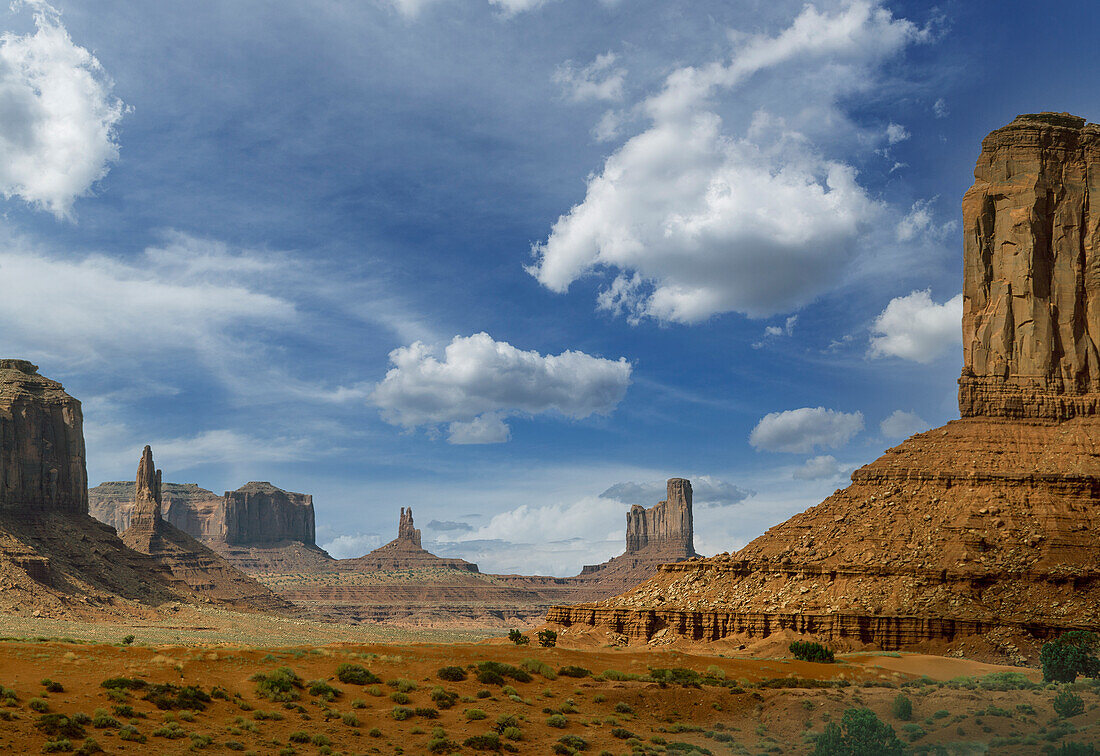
{"points": [[512, 733], [38, 705], [576, 742], [488, 742], [676, 675], [860, 733], [1070, 655], [442, 745], [399, 698], [374, 732], [505, 670], [59, 726], [88, 747], [198, 740], [622, 707], [233, 745], [171, 731], [52, 687], [1067, 704], [402, 685], [518, 638], [321, 740], [102, 720], [443, 699], [323, 690], [473, 715], [127, 640], [130, 733], [622, 733], [57, 746], [572, 671], [1076, 749], [299, 737], [483, 694], [167, 696], [123, 683], [427, 712], [810, 651], [557, 720], [539, 667], [351, 720], [354, 674], [902, 708], [547, 638], [489, 677], [401, 713], [281, 685], [451, 674]]}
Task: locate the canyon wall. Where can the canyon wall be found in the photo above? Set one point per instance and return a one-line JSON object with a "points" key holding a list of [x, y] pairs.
{"points": [[259, 513], [42, 460], [666, 525]]}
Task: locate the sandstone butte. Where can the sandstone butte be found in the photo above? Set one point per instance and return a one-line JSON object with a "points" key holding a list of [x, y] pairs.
{"points": [[983, 530], [188, 565], [55, 559], [403, 584]]}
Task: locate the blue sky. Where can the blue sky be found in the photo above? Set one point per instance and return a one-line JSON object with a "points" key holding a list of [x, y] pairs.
{"points": [[495, 258]]}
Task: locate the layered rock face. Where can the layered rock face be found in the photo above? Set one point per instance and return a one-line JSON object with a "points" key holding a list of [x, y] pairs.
{"points": [[259, 513], [1031, 311], [42, 465], [666, 525], [985, 526], [404, 553], [406, 533], [196, 511]]}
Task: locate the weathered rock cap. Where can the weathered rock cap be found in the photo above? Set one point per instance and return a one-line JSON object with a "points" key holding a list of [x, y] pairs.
{"points": [[23, 366]]}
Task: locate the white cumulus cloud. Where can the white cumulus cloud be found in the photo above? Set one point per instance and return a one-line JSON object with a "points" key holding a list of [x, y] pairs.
{"points": [[915, 328], [705, 490], [352, 545], [479, 381], [802, 430], [695, 221], [58, 118], [599, 80], [901, 424], [819, 468]]}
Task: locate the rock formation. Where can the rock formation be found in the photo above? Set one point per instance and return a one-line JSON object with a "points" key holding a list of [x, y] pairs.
{"points": [[261, 513], [985, 526], [666, 525], [196, 511], [404, 553], [405, 530], [41, 443], [190, 566]]}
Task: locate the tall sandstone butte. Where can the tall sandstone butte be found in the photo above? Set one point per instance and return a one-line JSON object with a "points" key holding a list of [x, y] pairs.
{"points": [[261, 513], [41, 443], [667, 525], [983, 527]]}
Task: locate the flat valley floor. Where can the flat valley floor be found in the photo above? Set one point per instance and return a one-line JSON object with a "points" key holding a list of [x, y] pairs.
{"points": [[190, 685]]}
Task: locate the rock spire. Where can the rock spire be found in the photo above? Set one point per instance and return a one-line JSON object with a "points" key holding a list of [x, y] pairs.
{"points": [[666, 525], [405, 530]]}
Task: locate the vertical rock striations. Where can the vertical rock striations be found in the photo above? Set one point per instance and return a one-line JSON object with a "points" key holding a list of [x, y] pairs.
{"points": [[1031, 286], [42, 465], [405, 530], [666, 525], [404, 553], [260, 513]]}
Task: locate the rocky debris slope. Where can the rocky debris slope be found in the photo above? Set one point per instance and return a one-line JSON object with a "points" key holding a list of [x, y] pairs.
{"points": [[42, 465], [188, 565], [984, 526]]}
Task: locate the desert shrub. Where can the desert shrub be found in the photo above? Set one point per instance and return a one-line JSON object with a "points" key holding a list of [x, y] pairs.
{"points": [[8, 696], [557, 720], [58, 746], [323, 690], [1070, 655], [171, 731], [354, 674], [576, 742], [402, 685], [483, 694], [488, 742], [427, 712], [676, 675], [442, 745], [102, 720], [512, 733], [123, 683], [518, 638], [489, 677], [1076, 749], [621, 733], [913, 731], [572, 671], [281, 684], [320, 740], [444, 699], [88, 747], [374, 690], [693, 749], [125, 710], [374, 732], [401, 713], [399, 698], [1068, 704], [299, 737], [859, 733], [351, 720], [130, 733], [547, 638], [451, 674], [52, 686], [1005, 681], [810, 651], [166, 696], [127, 640], [506, 670], [902, 708], [473, 715], [59, 726], [539, 667], [622, 707], [38, 705]]}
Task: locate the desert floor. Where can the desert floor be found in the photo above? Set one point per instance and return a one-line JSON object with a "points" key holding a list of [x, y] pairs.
{"points": [[616, 704]]}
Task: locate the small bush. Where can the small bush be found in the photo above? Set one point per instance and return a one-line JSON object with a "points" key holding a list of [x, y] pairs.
{"points": [[860, 732], [102, 720], [576, 742], [351, 720], [130, 733], [489, 677], [127, 640], [572, 671], [512, 733], [1070, 655], [374, 732], [427, 712], [1067, 704], [167, 696], [483, 694], [171, 731], [38, 705], [622, 707], [59, 726], [505, 670], [401, 713], [280, 685], [518, 638], [323, 690], [451, 674], [443, 699], [547, 638], [557, 720], [811, 652], [52, 686], [57, 746], [473, 715], [123, 683], [299, 737], [353, 674], [676, 675], [902, 708], [399, 698], [88, 747], [442, 745], [622, 733], [488, 742], [232, 745], [375, 691], [402, 685]]}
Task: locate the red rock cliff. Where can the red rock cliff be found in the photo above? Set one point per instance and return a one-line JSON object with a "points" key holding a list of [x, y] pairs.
{"points": [[261, 513], [666, 525]]}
